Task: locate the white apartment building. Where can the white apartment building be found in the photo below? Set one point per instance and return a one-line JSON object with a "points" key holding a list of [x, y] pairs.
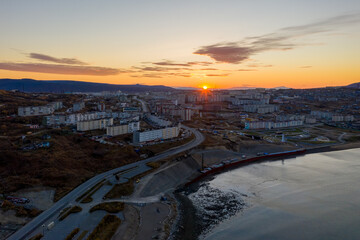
{"points": [[123, 129], [164, 133], [54, 120], [266, 108], [332, 116], [56, 105], [237, 101], [35, 111], [186, 114], [271, 125], [94, 124], [158, 121], [78, 106]]}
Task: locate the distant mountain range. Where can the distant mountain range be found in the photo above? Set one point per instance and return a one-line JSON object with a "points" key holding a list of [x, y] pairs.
{"points": [[248, 88], [62, 86], [354, 85]]}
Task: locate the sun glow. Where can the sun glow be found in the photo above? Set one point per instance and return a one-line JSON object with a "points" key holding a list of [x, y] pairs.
{"points": [[205, 87]]}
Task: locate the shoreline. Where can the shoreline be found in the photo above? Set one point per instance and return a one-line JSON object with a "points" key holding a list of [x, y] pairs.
{"points": [[187, 225]]}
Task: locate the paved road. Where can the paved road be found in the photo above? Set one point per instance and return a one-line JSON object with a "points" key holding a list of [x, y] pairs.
{"points": [[30, 227], [144, 106]]}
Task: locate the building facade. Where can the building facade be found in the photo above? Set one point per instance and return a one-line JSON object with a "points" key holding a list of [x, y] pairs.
{"points": [[123, 129], [94, 124], [158, 134]]}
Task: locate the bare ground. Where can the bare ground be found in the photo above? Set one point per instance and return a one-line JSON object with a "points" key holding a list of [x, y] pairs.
{"points": [[40, 197], [129, 228]]}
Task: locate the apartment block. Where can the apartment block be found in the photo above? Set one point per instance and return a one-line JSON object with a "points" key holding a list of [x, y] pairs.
{"points": [[78, 106], [272, 125], [94, 124], [35, 111], [123, 129], [54, 120], [164, 133], [266, 108]]}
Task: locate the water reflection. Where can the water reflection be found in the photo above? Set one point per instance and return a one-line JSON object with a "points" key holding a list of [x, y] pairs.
{"points": [[316, 196]]}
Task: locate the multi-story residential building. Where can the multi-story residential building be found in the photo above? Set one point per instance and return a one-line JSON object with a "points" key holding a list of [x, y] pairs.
{"points": [[78, 117], [332, 116], [54, 120], [158, 121], [56, 105], [237, 101], [271, 125], [158, 134], [186, 114], [94, 124], [123, 129], [290, 117], [101, 107], [266, 108], [78, 106], [35, 111]]}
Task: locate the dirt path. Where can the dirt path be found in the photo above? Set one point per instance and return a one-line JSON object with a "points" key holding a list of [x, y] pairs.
{"points": [[151, 220], [129, 228]]}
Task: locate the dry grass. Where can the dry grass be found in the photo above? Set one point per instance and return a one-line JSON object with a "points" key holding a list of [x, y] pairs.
{"points": [[74, 209], [110, 207], [122, 189], [86, 197], [20, 210], [154, 164], [161, 147], [106, 228], [127, 188], [37, 237], [72, 234], [82, 235], [69, 162]]}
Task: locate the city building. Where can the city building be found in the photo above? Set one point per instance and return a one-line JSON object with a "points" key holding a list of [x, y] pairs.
{"points": [[35, 111], [157, 120], [262, 109], [94, 124], [101, 107], [123, 129], [158, 134], [54, 120], [271, 125], [78, 106]]}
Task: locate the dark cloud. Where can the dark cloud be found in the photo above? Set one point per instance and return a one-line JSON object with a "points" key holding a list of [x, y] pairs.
{"points": [[149, 75], [246, 70], [283, 39], [161, 75], [171, 63], [47, 58], [218, 75], [257, 65], [306, 67], [185, 64], [200, 63], [60, 69], [229, 52], [157, 69], [208, 69]]}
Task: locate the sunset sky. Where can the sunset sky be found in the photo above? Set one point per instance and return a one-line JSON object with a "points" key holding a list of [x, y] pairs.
{"points": [[221, 44]]}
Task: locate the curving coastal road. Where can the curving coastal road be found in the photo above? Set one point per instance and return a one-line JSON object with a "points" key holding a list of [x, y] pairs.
{"points": [[70, 198]]}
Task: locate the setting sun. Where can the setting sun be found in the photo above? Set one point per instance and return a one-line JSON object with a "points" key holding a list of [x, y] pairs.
{"points": [[205, 87]]}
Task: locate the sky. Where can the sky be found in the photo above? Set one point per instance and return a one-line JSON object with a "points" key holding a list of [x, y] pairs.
{"points": [[221, 44]]}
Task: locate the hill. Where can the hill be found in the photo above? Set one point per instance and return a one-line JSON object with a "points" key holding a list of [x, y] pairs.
{"points": [[354, 85], [60, 86]]}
